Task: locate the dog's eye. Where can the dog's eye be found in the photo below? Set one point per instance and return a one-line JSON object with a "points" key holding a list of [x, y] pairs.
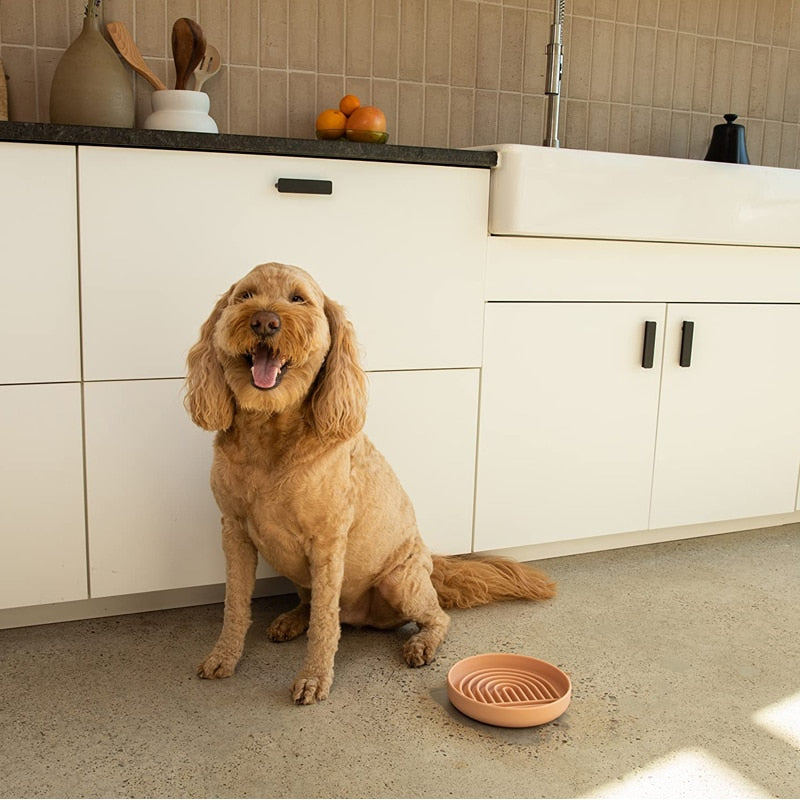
{"points": [[298, 298], [243, 296]]}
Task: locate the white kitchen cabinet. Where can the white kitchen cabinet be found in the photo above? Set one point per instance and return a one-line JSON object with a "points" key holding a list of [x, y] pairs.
{"points": [[41, 495], [153, 523], [728, 425], [568, 421], [39, 276], [425, 424], [401, 246], [578, 440]]}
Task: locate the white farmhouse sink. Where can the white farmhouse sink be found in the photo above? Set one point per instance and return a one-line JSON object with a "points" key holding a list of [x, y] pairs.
{"points": [[542, 191]]}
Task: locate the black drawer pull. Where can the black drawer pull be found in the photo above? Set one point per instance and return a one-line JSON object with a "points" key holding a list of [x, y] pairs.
{"points": [[304, 186], [686, 344], [649, 349]]}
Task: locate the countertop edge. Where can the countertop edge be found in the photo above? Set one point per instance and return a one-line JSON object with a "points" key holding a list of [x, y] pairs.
{"points": [[46, 133]]}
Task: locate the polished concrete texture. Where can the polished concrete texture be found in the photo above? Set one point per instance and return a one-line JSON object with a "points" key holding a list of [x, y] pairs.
{"points": [[684, 657]]}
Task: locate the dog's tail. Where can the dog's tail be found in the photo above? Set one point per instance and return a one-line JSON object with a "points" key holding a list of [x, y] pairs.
{"points": [[468, 581]]}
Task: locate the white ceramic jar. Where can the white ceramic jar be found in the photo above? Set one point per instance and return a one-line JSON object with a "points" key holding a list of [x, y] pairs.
{"points": [[180, 110]]}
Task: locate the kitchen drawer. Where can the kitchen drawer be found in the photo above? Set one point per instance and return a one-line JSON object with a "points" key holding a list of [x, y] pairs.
{"points": [[164, 234], [39, 277], [152, 519]]}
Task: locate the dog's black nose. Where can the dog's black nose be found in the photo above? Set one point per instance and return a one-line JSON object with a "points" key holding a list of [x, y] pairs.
{"points": [[265, 323]]}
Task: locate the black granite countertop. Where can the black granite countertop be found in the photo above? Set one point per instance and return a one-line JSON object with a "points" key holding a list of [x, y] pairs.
{"points": [[44, 133]]}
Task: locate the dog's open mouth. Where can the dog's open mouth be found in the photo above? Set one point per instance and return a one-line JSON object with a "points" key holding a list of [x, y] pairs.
{"points": [[267, 367]]}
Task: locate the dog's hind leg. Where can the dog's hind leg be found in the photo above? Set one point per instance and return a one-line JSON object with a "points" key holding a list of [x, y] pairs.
{"points": [[293, 623], [409, 590], [241, 559]]}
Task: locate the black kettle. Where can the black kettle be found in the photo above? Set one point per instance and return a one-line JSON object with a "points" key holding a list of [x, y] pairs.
{"points": [[727, 143]]}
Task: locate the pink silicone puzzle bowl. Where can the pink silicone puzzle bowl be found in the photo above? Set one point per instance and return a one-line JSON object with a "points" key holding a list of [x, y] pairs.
{"points": [[508, 690]]}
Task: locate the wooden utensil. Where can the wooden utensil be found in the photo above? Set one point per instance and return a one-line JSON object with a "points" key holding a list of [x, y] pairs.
{"points": [[188, 49], [208, 67], [130, 52]]}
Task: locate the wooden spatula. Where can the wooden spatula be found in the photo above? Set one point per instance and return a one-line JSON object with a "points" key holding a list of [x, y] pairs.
{"points": [[188, 49], [130, 52]]}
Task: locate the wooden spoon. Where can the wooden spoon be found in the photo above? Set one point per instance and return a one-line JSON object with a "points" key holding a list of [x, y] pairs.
{"points": [[130, 52], [188, 49]]}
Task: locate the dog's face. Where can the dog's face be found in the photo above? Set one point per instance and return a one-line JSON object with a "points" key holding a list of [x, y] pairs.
{"points": [[272, 337]]}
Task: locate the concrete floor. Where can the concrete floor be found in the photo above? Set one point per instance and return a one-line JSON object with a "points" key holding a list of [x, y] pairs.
{"points": [[684, 657]]}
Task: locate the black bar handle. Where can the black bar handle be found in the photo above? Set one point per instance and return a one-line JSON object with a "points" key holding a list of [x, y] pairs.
{"points": [[304, 186], [686, 344], [649, 349]]}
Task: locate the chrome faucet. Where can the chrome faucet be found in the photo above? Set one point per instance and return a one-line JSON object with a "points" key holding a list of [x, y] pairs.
{"points": [[555, 65]]}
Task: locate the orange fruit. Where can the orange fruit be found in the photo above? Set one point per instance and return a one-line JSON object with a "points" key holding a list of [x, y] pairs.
{"points": [[330, 124], [367, 124], [348, 104]]}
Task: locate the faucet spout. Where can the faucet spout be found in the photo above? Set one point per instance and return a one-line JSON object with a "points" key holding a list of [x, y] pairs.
{"points": [[555, 66]]}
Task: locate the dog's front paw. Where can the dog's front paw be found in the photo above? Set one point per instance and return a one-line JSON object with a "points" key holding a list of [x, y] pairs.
{"points": [[218, 665], [307, 689]]}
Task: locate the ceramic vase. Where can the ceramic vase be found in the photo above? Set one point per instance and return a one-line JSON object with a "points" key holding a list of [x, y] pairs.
{"points": [[90, 85], [180, 110]]}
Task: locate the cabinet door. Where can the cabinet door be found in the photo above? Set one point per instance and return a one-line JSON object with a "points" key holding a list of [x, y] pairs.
{"points": [[401, 246], [153, 523], [425, 423], [729, 427], [41, 495], [39, 277], [568, 422]]}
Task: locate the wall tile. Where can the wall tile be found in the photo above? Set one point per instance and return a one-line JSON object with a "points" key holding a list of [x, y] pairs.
{"points": [[703, 74], [412, 38], [438, 22], [684, 71], [386, 38], [721, 80], [512, 54], [509, 117], [619, 128], [274, 34], [746, 20], [622, 64], [465, 43], [485, 122], [537, 37], [411, 102], [602, 61], [740, 78], [462, 111], [436, 116], [578, 68], [598, 124], [643, 66], [244, 45], [358, 40], [489, 39], [533, 117], [648, 76]]}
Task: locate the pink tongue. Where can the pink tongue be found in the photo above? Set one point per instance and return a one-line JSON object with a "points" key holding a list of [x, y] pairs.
{"points": [[265, 369]]}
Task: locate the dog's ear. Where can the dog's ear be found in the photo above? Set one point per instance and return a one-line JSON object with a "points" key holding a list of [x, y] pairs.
{"points": [[338, 400], [208, 399]]}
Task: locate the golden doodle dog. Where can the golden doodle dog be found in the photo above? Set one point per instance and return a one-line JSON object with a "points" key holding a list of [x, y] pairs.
{"points": [[276, 373]]}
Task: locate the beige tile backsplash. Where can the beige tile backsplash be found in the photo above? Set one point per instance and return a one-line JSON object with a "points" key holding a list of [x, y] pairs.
{"points": [[641, 76]]}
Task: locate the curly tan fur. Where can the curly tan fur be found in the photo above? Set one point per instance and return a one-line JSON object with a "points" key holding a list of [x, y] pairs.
{"points": [[276, 374]]}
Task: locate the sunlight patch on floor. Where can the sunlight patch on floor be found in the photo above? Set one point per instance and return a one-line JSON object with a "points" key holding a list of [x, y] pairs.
{"points": [[782, 719], [683, 774]]}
